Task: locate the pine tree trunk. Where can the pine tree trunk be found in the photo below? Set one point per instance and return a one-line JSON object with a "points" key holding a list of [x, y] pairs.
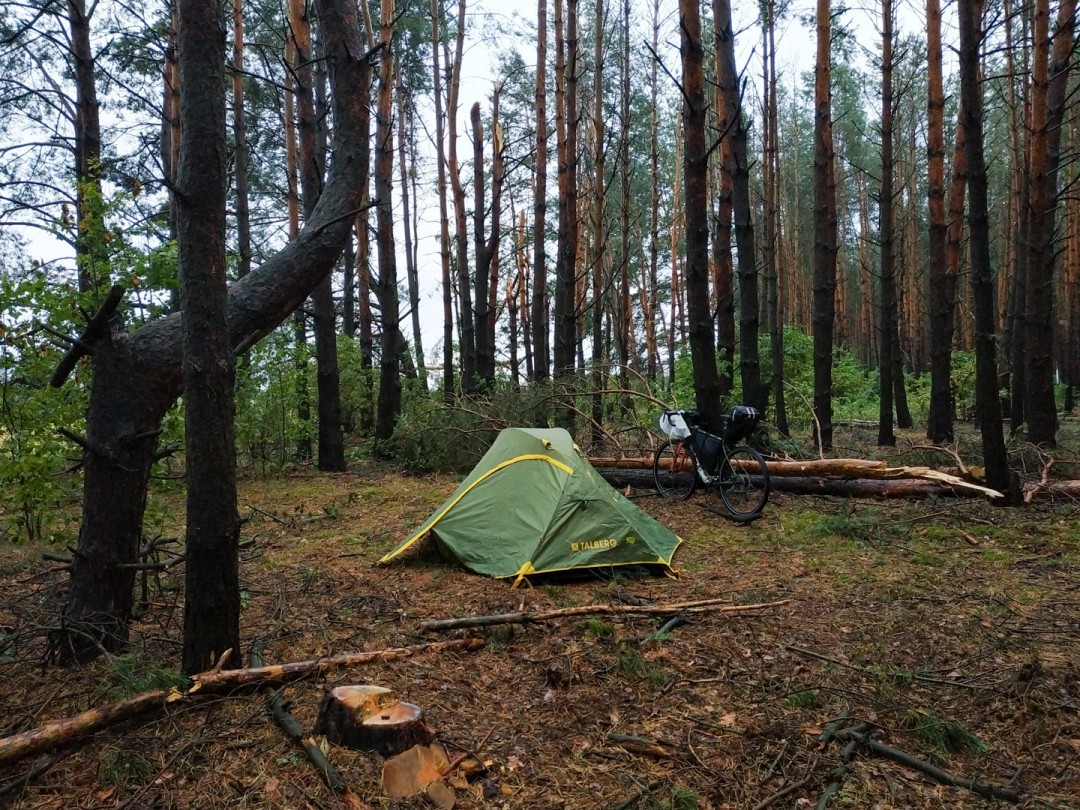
{"points": [[887, 302], [389, 401], [995, 457], [565, 315], [444, 224], [240, 145], [540, 333], [407, 158], [942, 304], [723, 261], [1049, 85], [825, 232], [695, 163]]}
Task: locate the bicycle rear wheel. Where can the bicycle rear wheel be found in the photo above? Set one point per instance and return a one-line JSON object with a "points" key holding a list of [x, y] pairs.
{"points": [[675, 469], [743, 482]]}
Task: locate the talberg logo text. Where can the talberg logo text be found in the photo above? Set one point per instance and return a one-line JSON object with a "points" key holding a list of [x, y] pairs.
{"points": [[593, 545]]}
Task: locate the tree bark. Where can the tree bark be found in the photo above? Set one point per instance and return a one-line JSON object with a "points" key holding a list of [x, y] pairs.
{"points": [[772, 221], [240, 144], [565, 314], [465, 302], [887, 339], [942, 292], [389, 400], [444, 223], [995, 456], [825, 229], [138, 376], [485, 246], [749, 314], [695, 169], [212, 581], [1049, 85], [540, 333], [407, 167], [91, 257]]}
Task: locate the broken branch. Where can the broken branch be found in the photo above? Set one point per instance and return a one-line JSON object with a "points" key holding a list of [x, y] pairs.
{"points": [[524, 617], [96, 329]]}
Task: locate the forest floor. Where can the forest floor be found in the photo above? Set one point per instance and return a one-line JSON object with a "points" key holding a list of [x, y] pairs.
{"points": [[950, 625]]}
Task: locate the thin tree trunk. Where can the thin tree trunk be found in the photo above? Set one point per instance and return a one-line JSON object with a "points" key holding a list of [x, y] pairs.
{"points": [[389, 401], [465, 303], [772, 221], [598, 245], [444, 224], [723, 261], [566, 261], [887, 339], [651, 295], [939, 427], [541, 352], [406, 161]]}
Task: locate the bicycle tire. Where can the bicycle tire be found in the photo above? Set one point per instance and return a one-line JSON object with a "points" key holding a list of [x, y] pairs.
{"points": [[743, 482], [673, 482]]}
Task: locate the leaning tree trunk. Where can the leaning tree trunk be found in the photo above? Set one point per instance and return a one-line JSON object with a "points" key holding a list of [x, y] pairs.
{"points": [[137, 376]]}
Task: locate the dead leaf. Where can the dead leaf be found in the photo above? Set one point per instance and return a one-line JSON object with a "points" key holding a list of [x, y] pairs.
{"points": [[506, 790], [105, 795], [271, 785], [728, 720]]}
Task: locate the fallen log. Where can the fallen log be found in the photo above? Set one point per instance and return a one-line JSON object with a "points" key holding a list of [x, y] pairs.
{"points": [[524, 617], [827, 468], [841, 487], [69, 729]]}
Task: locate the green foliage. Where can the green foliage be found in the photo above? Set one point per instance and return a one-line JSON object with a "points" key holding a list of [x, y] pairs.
{"points": [[595, 628], [679, 798], [133, 674], [630, 662], [801, 700], [117, 766], [945, 736]]}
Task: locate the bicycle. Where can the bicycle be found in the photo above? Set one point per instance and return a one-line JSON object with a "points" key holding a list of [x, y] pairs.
{"points": [[693, 457]]}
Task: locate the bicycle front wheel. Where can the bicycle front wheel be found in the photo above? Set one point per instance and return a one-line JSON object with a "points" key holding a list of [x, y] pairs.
{"points": [[675, 469], [743, 483]]}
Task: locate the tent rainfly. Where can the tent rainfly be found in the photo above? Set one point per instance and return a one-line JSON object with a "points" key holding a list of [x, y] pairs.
{"points": [[533, 505]]}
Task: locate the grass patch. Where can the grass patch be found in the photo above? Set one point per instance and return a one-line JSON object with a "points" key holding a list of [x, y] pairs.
{"points": [[631, 663], [120, 767], [802, 700], [594, 628]]}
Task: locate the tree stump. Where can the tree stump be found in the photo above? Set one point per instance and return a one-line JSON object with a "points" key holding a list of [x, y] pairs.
{"points": [[370, 718]]}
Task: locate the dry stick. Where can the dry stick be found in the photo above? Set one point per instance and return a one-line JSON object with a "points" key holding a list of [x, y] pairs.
{"points": [[67, 730], [841, 771], [855, 667], [641, 794], [640, 745], [29, 776], [787, 791], [295, 732], [935, 773], [701, 606], [474, 752]]}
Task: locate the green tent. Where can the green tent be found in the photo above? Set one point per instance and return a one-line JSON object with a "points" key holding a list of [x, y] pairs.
{"points": [[533, 505]]}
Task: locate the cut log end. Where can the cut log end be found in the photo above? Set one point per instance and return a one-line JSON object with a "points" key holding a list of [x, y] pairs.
{"points": [[369, 718]]}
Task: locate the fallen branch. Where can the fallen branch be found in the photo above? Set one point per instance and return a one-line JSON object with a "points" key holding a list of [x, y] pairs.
{"points": [[524, 617], [661, 749], [292, 729], [231, 679], [61, 732], [67, 730], [937, 774]]}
